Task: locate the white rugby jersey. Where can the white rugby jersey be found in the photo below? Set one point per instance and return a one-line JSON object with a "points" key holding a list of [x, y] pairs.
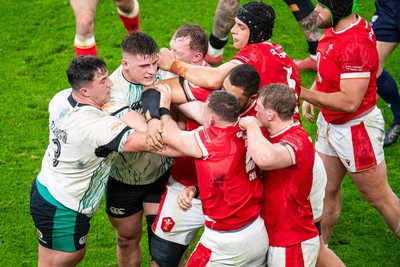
{"points": [[138, 168], [71, 171]]}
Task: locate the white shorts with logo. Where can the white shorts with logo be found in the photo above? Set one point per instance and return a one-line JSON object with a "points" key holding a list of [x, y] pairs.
{"points": [[302, 254], [358, 143], [317, 194], [172, 223], [245, 247]]}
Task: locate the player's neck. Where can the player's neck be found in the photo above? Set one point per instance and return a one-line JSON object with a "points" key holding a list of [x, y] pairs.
{"points": [[346, 23], [279, 126], [85, 101]]}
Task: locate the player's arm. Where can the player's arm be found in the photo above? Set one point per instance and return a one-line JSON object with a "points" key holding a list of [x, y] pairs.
{"points": [[178, 95], [206, 77], [136, 142], [193, 110], [307, 109], [183, 141], [352, 92], [266, 155], [135, 121]]}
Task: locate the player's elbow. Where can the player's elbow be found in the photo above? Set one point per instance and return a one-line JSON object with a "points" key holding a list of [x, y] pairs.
{"points": [[351, 107]]}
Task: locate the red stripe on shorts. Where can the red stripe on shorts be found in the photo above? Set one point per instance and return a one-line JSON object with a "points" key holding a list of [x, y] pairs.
{"points": [[364, 155], [200, 256], [294, 256]]}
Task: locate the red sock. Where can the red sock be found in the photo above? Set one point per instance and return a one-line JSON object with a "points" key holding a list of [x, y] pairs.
{"points": [[130, 24], [85, 50]]}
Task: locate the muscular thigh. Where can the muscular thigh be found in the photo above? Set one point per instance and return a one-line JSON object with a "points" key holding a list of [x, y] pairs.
{"points": [[372, 183]]}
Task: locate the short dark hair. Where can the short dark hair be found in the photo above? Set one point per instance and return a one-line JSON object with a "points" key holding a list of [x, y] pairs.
{"points": [[139, 43], [225, 105], [245, 76], [198, 37], [83, 69], [280, 98]]}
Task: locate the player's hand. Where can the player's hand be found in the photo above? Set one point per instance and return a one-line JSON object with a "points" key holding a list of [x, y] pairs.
{"points": [[185, 198], [308, 111], [154, 138], [165, 59], [165, 95], [246, 121]]}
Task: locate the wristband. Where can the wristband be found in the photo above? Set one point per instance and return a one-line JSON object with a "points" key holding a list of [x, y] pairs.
{"points": [[164, 111], [179, 68], [151, 104]]}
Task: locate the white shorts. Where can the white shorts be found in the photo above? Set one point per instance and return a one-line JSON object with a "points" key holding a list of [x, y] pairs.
{"points": [[318, 187], [172, 223], [358, 143], [303, 254], [246, 246]]}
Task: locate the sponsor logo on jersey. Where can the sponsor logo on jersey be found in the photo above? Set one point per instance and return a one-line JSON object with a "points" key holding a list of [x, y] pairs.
{"points": [[167, 224], [82, 240], [116, 127], [117, 211], [108, 107]]}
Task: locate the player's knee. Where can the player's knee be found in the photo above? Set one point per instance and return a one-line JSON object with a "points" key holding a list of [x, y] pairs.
{"points": [[128, 239], [166, 253], [85, 30]]}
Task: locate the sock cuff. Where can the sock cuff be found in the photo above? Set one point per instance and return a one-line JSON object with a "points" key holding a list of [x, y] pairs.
{"points": [[213, 52], [218, 43], [85, 43], [134, 12]]}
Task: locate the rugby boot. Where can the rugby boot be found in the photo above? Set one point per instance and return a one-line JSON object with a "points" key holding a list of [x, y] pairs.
{"points": [[391, 134]]}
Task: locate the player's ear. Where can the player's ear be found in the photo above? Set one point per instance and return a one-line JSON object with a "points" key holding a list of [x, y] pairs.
{"points": [[211, 119], [197, 58], [124, 63], [84, 91]]}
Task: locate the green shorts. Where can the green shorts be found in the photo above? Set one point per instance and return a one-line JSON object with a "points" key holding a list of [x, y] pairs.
{"points": [[58, 227]]}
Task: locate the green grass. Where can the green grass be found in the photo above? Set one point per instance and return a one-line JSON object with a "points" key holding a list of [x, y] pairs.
{"points": [[35, 49]]}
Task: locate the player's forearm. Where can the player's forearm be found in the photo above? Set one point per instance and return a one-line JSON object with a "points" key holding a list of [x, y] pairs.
{"points": [[170, 130], [193, 110], [201, 76], [258, 146], [135, 120], [337, 101]]}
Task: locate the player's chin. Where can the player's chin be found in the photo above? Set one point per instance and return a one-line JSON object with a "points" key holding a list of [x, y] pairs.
{"points": [[147, 81], [238, 45]]}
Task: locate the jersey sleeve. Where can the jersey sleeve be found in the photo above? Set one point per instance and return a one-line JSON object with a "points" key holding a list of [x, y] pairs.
{"points": [[101, 129]]}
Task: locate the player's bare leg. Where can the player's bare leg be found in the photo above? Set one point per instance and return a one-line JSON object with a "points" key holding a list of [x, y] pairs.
{"points": [[327, 258], [129, 233], [85, 14], [374, 187], [335, 172], [224, 19], [50, 257]]}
